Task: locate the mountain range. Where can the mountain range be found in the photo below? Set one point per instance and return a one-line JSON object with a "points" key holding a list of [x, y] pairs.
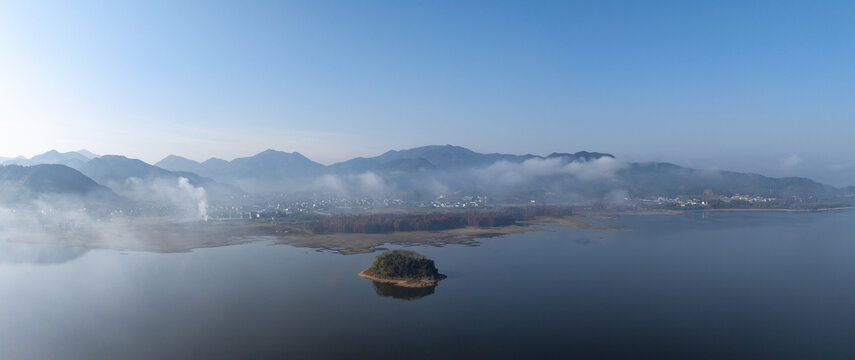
{"points": [[276, 165], [71, 159], [418, 173], [23, 184]]}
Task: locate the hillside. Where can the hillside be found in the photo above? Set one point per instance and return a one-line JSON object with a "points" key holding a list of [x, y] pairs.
{"points": [[24, 184], [115, 171], [428, 172]]}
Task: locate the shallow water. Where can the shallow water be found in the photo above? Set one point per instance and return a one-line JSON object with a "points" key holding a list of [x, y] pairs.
{"points": [[717, 285]]}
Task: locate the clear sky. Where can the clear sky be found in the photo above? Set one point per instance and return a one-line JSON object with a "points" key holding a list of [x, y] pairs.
{"points": [[745, 85]]}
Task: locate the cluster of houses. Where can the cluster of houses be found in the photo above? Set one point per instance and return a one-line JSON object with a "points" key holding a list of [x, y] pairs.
{"points": [[467, 202], [705, 201]]}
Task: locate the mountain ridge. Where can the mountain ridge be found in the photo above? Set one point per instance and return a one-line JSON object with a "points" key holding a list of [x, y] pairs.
{"points": [[27, 183], [73, 159], [427, 171]]}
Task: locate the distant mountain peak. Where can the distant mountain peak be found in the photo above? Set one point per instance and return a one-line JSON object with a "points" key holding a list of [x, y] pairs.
{"points": [[87, 153], [441, 147], [278, 153], [174, 157], [180, 163], [116, 157], [18, 160], [24, 184], [71, 158], [580, 155], [214, 160]]}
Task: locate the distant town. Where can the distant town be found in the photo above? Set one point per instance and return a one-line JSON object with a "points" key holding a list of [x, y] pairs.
{"points": [[327, 206]]}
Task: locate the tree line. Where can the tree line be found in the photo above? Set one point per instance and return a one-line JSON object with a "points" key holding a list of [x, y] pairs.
{"points": [[385, 223], [403, 264]]}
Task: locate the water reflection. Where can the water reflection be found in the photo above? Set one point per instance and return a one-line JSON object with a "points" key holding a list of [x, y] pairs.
{"points": [[38, 254], [629, 295], [400, 292]]}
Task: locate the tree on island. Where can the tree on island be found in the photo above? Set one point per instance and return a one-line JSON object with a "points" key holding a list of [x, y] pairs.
{"points": [[404, 268]]}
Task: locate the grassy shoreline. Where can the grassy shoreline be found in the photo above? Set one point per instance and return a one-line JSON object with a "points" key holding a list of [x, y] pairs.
{"points": [[776, 210], [409, 283], [572, 221], [595, 214], [170, 237]]}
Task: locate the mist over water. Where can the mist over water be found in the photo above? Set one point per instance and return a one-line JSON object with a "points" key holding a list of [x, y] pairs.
{"points": [[769, 285], [65, 220], [514, 144]]}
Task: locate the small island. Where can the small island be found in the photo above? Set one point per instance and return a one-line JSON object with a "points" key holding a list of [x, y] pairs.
{"points": [[403, 268]]}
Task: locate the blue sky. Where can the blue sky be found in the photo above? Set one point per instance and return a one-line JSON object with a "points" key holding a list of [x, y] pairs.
{"points": [[762, 86]]}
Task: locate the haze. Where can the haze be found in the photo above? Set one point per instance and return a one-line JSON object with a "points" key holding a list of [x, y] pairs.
{"points": [[763, 87], [441, 179]]}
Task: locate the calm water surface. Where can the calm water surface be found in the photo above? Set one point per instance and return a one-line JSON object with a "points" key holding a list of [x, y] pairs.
{"points": [[722, 285]]}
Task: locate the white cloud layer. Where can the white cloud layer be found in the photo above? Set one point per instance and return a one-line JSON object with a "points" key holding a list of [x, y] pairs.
{"points": [[508, 174]]}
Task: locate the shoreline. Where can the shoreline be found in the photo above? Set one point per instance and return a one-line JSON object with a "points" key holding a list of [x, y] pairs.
{"points": [[776, 210], [407, 283], [571, 221], [357, 243], [594, 214], [168, 237]]}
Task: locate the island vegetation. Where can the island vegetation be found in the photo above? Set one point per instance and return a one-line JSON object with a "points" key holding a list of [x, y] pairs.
{"points": [[403, 268]]}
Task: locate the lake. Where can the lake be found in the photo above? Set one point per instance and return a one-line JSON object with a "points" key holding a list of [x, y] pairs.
{"points": [[698, 285]]}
